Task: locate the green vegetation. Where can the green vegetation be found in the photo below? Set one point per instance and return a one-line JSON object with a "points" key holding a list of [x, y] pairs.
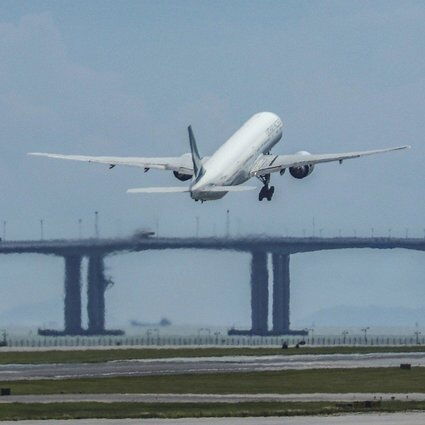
{"points": [[95, 356], [387, 380], [18, 411]]}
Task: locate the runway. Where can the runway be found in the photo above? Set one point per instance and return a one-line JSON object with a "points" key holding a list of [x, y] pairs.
{"points": [[206, 365], [208, 398], [356, 419]]}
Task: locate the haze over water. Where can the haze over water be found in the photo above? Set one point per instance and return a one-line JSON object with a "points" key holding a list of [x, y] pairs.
{"points": [[127, 78]]}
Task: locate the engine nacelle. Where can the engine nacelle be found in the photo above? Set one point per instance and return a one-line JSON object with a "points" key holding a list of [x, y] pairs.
{"points": [[303, 170], [182, 177]]}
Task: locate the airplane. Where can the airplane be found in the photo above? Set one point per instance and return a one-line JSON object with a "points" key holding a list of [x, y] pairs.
{"points": [[246, 154]]}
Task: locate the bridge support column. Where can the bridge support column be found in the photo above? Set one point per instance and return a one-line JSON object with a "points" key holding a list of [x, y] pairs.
{"points": [[259, 293], [281, 294], [96, 287], [260, 296], [97, 283], [72, 311]]}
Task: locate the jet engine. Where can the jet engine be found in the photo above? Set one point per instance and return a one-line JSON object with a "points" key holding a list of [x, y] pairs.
{"points": [[303, 170], [182, 177]]}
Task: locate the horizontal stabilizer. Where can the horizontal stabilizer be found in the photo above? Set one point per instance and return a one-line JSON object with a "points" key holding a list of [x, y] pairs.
{"points": [[229, 188], [159, 190], [180, 189]]}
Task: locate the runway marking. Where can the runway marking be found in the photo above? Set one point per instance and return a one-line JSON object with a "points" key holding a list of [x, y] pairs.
{"points": [[210, 398], [231, 364], [410, 418]]}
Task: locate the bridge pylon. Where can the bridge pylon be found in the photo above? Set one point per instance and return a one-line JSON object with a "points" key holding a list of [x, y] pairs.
{"points": [[260, 296], [97, 284], [72, 308]]}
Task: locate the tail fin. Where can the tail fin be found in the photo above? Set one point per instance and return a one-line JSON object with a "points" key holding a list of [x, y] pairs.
{"points": [[197, 163]]}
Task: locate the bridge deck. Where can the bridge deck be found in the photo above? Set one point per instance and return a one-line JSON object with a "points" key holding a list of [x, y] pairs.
{"points": [[290, 245]]}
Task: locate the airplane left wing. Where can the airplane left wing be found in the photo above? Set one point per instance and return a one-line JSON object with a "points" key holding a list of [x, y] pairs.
{"points": [[181, 164], [267, 164]]}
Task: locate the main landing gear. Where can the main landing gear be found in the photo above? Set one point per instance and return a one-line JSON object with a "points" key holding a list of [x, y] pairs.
{"points": [[266, 191]]}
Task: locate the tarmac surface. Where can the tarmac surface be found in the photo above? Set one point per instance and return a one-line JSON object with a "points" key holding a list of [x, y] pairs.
{"points": [[175, 366], [207, 398], [356, 419]]}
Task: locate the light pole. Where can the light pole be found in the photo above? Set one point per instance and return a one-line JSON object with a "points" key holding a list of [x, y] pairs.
{"points": [[364, 330], [41, 229], [227, 223], [339, 232], [96, 224]]}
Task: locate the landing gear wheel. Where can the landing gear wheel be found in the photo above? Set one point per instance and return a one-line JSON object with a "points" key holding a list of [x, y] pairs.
{"points": [[270, 193], [263, 193], [266, 191]]}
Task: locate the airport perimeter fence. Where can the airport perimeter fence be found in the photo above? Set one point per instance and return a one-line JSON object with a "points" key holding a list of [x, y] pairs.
{"points": [[208, 341]]}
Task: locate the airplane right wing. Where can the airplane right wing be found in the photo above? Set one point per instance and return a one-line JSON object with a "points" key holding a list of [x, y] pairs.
{"points": [[181, 164], [270, 163]]}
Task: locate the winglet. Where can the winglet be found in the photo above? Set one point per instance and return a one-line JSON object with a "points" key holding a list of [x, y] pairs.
{"points": [[197, 163]]}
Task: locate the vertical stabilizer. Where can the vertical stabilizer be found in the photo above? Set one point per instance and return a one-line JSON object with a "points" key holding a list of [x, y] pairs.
{"points": [[197, 163]]}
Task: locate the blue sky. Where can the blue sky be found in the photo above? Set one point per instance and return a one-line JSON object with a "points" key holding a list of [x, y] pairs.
{"points": [[126, 78]]}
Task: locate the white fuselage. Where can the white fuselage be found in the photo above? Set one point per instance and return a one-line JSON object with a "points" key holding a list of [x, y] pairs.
{"points": [[232, 163]]}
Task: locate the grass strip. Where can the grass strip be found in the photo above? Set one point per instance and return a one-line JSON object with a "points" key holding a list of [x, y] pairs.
{"points": [[386, 380], [18, 411], [97, 356]]}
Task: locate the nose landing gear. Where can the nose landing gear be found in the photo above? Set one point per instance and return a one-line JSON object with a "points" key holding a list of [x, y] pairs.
{"points": [[266, 191]]}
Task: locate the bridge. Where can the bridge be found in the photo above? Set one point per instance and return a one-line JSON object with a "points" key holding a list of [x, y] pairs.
{"points": [[280, 249]]}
